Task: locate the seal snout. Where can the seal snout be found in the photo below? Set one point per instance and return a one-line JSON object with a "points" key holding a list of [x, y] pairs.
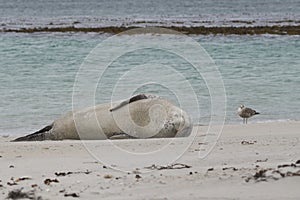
{"points": [[182, 123]]}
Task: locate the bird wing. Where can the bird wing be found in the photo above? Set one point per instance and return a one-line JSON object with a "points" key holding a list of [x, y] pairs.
{"points": [[248, 112]]}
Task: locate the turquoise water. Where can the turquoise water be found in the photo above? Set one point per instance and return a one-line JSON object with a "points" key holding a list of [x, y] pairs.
{"points": [[38, 70], [37, 73]]}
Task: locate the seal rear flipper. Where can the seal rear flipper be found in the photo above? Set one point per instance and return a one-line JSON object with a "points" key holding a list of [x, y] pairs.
{"points": [[43, 134]]}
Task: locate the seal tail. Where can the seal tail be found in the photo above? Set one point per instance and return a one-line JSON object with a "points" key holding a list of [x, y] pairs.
{"points": [[36, 136]]}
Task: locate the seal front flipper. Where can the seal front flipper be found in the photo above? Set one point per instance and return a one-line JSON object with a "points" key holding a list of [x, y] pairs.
{"points": [[123, 103], [43, 134], [132, 99]]}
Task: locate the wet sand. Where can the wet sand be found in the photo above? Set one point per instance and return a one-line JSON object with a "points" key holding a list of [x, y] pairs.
{"points": [[253, 161]]}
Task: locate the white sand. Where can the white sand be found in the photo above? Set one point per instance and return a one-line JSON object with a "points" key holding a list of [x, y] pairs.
{"points": [[273, 144]]}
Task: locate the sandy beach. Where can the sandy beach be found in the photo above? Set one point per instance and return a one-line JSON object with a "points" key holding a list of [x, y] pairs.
{"points": [[253, 161], [181, 68]]}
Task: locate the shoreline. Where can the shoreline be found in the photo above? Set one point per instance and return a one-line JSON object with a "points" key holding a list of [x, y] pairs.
{"points": [[22, 131], [197, 30], [253, 161]]}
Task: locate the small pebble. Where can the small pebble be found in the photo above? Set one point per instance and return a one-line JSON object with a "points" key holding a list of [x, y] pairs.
{"points": [[108, 176], [48, 181], [11, 183], [22, 179], [138, 176], [210, 169], [71, 195]]}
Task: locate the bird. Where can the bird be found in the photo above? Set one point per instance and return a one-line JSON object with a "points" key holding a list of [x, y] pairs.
{"points": [[246, 113]]}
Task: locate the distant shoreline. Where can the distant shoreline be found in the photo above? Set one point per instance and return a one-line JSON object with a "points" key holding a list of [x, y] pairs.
{"points": [[198, 30]]}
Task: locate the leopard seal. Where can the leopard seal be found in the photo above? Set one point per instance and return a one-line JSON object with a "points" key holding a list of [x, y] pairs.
{"points": [[141, 116]]}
